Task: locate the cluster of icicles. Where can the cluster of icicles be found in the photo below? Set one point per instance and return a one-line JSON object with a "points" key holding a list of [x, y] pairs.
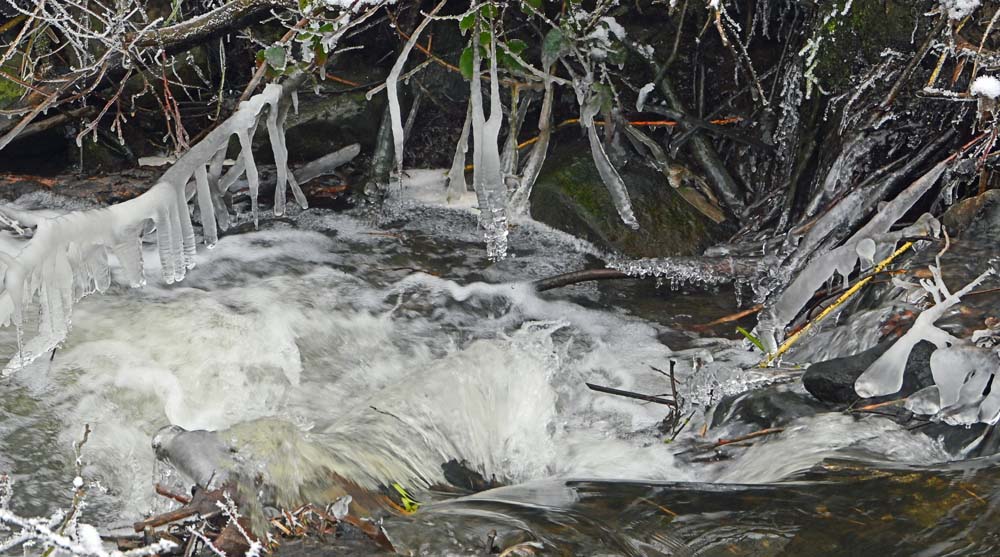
{"points": [[962, 371], [502, 184], [67, 257]]}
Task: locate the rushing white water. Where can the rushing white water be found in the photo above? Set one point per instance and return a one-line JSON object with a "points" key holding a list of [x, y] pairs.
{"points": [[385, 369]]}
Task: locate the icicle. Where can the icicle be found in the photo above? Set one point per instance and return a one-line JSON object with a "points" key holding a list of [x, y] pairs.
{"points": [[253, 179], [456, 176], [293, 183], [218, 204], [612, 180], [487, 175], [208, 225], [128, 250], [163, 242], [391, 86], [280, 160], [185, 229], [518, 109]]}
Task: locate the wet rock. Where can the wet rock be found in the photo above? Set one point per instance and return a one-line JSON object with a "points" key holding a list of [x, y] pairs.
{"points": [[569, 195], [833, 380], [460, 475], [772, 406], [976, 217]]}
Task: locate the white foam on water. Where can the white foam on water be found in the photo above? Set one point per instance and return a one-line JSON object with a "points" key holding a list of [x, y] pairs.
{"points": [[390, 373]]}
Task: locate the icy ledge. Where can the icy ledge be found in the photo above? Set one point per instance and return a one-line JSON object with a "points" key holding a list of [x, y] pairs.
{"points": [[67, 257]]}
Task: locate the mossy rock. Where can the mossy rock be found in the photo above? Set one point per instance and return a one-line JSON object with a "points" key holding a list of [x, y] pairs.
{"points": [[858, 39], [570, 196]]}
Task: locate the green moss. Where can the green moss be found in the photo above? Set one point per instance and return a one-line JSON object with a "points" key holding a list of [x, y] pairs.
{"points": [[860, 37], [569, 195], [593, 200], [10, 92]]}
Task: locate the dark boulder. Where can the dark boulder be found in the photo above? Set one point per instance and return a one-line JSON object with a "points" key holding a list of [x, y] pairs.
{"points": [[772, 406], [833, 380], [975, 217]]}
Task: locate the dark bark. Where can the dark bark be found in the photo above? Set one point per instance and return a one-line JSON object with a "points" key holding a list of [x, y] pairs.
{"points": [[184, 35]]}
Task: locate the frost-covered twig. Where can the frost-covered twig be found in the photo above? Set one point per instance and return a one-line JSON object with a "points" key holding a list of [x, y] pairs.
{"points": [[73, 538]]}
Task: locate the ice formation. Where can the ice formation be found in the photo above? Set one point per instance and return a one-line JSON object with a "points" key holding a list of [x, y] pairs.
{"points": [[392, 83], [67, 257], [959, 9], [520, 198], [590, 105], [487, 173], [844, 258], [640, 102], [952, 368]]}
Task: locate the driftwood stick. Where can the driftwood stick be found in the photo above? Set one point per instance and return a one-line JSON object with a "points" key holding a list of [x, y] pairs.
{"points": [[747, 437], [630, 394]]}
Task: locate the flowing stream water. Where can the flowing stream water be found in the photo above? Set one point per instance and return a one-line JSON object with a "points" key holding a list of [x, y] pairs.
{"points": [[321, 343]]}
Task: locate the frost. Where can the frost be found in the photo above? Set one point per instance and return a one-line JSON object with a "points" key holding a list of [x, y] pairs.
{"points": [[986, 86], [616, 29], [67, 257]]}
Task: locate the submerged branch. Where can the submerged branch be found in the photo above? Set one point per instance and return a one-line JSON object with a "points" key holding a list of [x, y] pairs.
{"points": [[574, 277]]}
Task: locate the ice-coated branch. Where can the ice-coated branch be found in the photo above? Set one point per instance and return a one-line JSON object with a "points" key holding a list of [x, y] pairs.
{"points": [[844, 258], [487, 172], [392, 83], [67, 257], [885, 375]]}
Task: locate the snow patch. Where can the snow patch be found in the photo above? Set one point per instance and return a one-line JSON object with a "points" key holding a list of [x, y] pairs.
{"points": [[958, 9], [985, 86]]}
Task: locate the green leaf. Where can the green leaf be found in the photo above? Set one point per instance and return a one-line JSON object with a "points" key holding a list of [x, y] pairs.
{"points": [[484, 39], [275, 56], [508, 61], [465, 63], [517, 46], [467, 22], [489, 11], [320, 53], [260, 57], [616, 56], [753, 340], [552, 46], [537, 4]]}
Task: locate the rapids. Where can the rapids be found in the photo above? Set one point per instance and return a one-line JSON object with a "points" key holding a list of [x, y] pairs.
{"points": [[320, 341]]}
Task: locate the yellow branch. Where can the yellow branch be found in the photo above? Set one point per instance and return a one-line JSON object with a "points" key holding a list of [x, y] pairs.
{"points": [[829, 309]]}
